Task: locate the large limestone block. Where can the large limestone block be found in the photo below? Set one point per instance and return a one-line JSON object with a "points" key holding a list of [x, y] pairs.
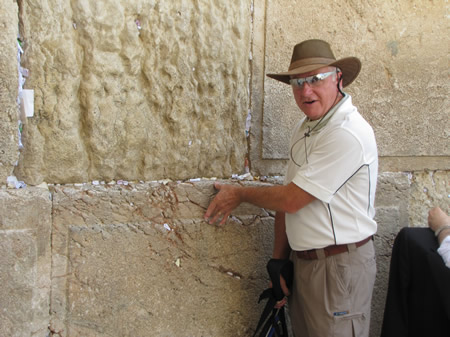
{"points": [[136, 90], [403, 86], [139, 260], [17, 277], [9, 84], [392, 199], [25, 262]]}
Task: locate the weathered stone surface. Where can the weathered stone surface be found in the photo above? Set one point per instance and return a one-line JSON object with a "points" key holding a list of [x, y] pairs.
{"points": [[9, 83], [406, 104], [17, 259], [139, 260], [391, 215], [25, 262], [428, 189], [135, 89]]}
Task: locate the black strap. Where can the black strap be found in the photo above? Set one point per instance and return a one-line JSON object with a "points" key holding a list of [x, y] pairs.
{"points": [[277, 267], [266, 294], [273, 321]]}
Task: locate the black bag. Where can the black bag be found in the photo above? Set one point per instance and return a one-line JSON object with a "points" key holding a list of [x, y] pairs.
{"points": [[273, 321]]}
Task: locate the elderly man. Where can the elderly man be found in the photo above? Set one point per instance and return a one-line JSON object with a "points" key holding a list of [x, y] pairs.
{"points": [[325, 209]]}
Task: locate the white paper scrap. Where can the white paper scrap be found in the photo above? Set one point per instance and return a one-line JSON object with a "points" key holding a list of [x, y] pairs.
{"points": [[27, 102]]}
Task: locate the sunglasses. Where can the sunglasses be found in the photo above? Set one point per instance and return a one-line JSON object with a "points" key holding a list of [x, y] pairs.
{"points": [[313, 81]]}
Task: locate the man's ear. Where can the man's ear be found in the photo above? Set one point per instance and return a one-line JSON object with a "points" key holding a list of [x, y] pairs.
{"points": [[340, 79]]}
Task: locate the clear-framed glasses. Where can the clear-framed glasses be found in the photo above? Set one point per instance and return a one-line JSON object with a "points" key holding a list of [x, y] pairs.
{"points": [[313, 81]]}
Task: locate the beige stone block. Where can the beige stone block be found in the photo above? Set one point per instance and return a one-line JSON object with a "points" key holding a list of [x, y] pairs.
{"points": [[135, 90], [164, 272], [389, 221], [9, 112], [391, 215], [25, 262], [17, 276], [393, 190]]}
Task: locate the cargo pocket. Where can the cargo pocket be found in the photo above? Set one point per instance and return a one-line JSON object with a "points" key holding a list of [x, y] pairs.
{"points": [[348, 325]]}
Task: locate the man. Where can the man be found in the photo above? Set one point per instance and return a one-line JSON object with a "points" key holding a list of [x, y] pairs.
{"points": [[325, 209]]}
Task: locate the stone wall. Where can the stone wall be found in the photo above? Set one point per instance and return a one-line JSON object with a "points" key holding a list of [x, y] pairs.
{"points": [[25, 261], [138, 260], [9, 83], [119, 83], [135, 99]]}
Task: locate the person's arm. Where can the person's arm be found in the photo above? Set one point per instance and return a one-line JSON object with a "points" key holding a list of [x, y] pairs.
{"points": [[439, 222], [281, 198]]}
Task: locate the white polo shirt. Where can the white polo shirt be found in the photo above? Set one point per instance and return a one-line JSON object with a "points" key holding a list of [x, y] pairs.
{"points": [[338, 164]]}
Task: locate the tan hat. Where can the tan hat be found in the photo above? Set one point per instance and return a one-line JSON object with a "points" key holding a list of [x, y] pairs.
{"points": [[310, 55]]}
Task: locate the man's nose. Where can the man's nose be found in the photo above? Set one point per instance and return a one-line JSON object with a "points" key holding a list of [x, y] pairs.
{"points": [[305, 89]]}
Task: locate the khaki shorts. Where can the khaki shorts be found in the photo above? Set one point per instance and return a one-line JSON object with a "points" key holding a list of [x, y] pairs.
{"points": [[331, 296]]}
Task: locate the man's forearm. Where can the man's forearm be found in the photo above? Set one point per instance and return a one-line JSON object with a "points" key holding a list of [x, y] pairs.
{"points": [[281, 198]]}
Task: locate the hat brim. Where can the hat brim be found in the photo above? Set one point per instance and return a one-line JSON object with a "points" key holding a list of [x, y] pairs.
{"points": [[350, 67]]}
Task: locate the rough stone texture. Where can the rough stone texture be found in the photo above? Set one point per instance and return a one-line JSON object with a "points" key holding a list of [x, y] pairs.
{"points": [[402, 89], [135, 89], [428, 189], [9, 152], [392, 202], [139, 260], [25, 262]]}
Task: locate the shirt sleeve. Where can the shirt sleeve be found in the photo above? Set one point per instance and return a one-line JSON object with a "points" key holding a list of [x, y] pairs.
{"points": [[444, 251], [335, 158]]}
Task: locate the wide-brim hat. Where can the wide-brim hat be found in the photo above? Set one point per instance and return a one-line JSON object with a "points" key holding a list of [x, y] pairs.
{"points": [[313, 54]]}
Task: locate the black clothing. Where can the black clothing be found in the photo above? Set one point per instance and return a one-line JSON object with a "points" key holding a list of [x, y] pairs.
{"points": [[418, 298]]}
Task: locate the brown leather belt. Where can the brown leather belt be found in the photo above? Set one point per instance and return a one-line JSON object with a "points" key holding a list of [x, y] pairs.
{"points": [[330, 250]]}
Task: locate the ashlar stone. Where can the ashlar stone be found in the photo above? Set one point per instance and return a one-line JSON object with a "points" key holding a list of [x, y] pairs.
{"points": [[136, 90], [9, 83], [162, 272], [25, 262]]}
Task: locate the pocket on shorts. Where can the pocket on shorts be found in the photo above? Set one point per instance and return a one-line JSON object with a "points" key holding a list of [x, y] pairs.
{"points": [[352, 324]]}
